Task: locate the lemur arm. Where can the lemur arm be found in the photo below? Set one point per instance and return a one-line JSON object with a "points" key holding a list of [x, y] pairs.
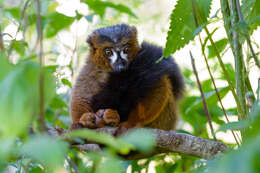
{"points": [[150, 107]]}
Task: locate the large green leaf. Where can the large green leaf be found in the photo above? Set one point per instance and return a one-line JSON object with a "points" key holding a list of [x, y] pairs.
{"points": [[48, 151], [21, 97], [99, 7], [182, 26]]}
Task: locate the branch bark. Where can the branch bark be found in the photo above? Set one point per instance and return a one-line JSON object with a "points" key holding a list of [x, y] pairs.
{"points": [[166, 142]]}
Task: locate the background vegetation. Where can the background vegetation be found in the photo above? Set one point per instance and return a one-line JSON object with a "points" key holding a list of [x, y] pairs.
{"points": [[42, 47]]}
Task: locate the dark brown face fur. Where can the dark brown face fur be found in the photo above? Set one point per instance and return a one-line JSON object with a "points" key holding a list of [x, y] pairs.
{"points": [[114, 47]]}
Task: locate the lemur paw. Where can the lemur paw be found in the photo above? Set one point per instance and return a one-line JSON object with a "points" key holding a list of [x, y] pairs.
{"points": [[88, 120], [109, 117], [103, 117]]}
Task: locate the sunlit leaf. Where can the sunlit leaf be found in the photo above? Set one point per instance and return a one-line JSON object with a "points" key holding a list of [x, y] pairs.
{"points": [[182, 26]]}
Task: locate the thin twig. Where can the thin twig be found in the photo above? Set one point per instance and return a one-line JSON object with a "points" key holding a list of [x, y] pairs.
{"points": [[2, 49], [41, 60], [19, 26], [241, 19], [203, 97], [73, 165]]}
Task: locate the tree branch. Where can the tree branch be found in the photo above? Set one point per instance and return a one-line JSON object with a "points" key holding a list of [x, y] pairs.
{"points": [[166, 142]]}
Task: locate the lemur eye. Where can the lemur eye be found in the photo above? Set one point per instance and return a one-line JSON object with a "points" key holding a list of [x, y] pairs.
{"points": [[126, 49], [108, 52]]}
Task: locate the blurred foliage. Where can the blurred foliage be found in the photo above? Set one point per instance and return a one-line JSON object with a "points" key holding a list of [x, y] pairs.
{"points": [[25, 148]]}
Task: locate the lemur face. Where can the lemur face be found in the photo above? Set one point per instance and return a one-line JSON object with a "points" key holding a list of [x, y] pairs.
{"points": [[113, 47], [118, 56]]}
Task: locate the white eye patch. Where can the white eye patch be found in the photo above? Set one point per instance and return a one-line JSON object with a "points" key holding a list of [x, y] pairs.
{"points": [[113, 57], [123, 55]]}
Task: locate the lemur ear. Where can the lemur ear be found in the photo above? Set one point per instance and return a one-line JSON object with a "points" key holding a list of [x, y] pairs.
{"points": [[91, 40], [134, 30]]}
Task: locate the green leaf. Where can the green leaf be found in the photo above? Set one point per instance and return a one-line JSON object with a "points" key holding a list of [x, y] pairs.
{"points": [[220, 44], [46, 150], [57, 103], [55, 22], [244, 159], [99, 7], [182, 26], [105, 162], [20, 47], [210, 97], [231, 73], [238, 125], [102, 138], [142, 139], [251, 12], [66, 82]]}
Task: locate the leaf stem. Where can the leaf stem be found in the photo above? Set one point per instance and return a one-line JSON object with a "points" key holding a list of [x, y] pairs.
{"points": [[41, 60]]}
